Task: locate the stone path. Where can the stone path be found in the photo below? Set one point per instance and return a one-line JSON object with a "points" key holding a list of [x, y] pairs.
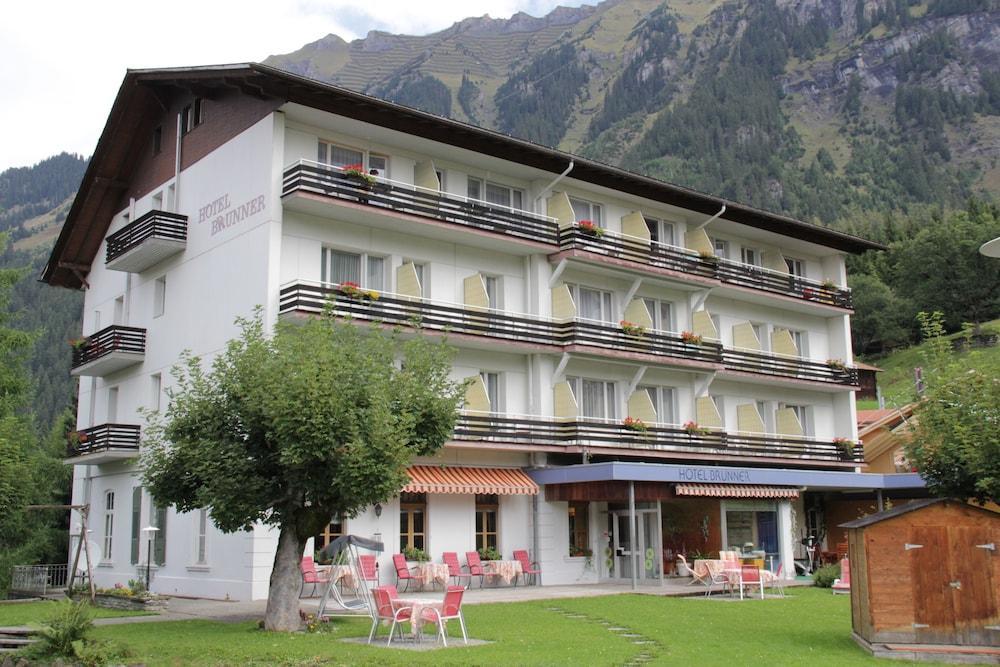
{"points": [[650, 647]]}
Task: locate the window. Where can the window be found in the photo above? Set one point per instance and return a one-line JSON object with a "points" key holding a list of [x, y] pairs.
{"points": [[766, 416], [492, 382], [378, 165], [112, 405], [342, 267], [662, 314], [804, 415], [487, 508], [584, 210], [159, 296], [750, 256], [422, 272], [339, 156], [192, 116], [119, 317], [333, 530], [596, 397], [721, 248], [109, 524], [159, 520], [201, 556], [136, 523], [493, 292], [760, 330], [474, 188], [155, 391], [412, 521], [660, 231], [795, 267], [157, 139], [592, 304], [157, 202], [579, 528], [494, 193], [801, 339], [662, 399]]}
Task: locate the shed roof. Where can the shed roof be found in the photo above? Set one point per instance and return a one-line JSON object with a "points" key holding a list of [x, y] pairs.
{"points": [[911, 507]]}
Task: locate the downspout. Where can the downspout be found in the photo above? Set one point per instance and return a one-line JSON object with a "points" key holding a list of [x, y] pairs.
{"points": [[177, 165], [714, 217], [126, 316], [558, 178]]}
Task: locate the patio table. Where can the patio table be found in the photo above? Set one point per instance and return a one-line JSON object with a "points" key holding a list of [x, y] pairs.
{"points": [[508, 570], [417, 606], [431, 573], [701, 566]]}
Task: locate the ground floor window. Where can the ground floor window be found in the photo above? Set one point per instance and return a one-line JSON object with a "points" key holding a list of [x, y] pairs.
{"points": [[333, 530], [160, 537], [412, 521], [579, 529], [752, 527], [487, 508], [136, 522]]}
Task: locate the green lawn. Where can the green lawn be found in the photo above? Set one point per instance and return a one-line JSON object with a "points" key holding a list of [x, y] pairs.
{"points": [[811, 626], [28, 613]]}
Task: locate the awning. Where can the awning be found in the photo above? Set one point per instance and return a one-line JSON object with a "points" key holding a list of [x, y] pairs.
{"points": [[457, 479], [737, 491]]}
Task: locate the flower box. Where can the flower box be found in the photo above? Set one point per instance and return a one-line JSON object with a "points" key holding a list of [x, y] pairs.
{"points": [[588, 227], [691, 338], [354, 291], [634, 424], [632, 329], [692, 428]]}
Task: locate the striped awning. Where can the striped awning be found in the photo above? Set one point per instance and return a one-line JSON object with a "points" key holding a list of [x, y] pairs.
{"points": [[458, 479], [737, 491]]}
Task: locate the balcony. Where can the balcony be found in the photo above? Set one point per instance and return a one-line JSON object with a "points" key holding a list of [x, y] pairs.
{"points": [[108, 351], [146, 242], [103, 444], [334, 184], [689, 264], [536, 332], [591, 435], [783, 366]]}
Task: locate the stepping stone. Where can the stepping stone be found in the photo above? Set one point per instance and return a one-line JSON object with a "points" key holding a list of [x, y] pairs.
{"points": [[575, 616], [615, 628], [631, 634]]}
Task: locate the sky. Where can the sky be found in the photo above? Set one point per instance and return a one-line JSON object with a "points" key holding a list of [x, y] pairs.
{"points": [[63, 60]]}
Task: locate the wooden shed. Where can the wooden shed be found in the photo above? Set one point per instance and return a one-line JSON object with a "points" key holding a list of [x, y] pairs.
{"points": [[925, 580]]}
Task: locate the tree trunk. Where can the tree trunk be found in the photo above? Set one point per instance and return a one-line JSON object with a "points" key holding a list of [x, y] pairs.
{"points": [[282, 613]]}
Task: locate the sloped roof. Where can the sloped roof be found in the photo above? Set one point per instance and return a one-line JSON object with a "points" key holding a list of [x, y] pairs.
{"points": [[912, 506]]}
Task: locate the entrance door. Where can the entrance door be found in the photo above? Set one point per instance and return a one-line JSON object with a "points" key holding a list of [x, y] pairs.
{"points": [[644, 548], [767, 534], [972, 585]]}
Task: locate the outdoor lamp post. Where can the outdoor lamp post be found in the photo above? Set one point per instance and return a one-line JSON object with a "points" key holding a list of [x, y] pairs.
{"points": [[151, 532]]}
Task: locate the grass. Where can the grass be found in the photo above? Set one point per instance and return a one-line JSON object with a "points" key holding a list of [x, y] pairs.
{"points": [[811, 626], [30, 613]]}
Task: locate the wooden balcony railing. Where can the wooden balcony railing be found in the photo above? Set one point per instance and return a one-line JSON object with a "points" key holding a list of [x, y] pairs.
{"points": [[687, 261], [595, 433], [155, 224], [396, 310], [114, 338], [104, 438], [330, 181]]}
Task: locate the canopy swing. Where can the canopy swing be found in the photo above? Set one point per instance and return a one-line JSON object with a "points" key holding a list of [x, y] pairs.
{"points": [[345, 550], [81, 544]]}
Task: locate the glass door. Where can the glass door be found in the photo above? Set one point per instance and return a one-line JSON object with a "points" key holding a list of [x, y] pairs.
{"points": [[642, 551]]}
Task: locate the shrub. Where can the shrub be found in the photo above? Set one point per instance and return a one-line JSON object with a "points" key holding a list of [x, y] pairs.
{"points": [[824, 576], [413, 554], [70, 623], [490, 553]]}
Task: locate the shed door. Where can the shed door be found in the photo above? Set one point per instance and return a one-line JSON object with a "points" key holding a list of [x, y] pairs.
{"points": [[934, 613], [975, 593]]}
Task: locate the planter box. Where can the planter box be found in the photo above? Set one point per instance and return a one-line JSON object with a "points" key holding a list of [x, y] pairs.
{"points": [[126, 604]]}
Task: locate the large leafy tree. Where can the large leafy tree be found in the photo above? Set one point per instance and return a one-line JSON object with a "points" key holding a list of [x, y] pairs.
{"points": [[320, 419], [956, 437]]}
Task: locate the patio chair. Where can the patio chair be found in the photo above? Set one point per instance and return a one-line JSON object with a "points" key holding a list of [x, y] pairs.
{"points": [[778, 581], [695, 577], [450, 559], [750, 578], [717, 575], [402, 571], [310, 575], [521, 556], [385, 612], [842, 586], [369, 568], [475, 567], [452, 608]]}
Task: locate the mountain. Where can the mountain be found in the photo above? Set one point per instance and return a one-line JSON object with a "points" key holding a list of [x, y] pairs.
{"points": [[829, 110]]}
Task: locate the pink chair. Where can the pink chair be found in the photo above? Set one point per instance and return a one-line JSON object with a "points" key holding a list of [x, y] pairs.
{"points": [[450, 559], [385, 612], [843, 585], [402, 571], [310, 576], [749, 578], [452, 608], [778, 581], [475, 567], [521, 556], [369, 568]]}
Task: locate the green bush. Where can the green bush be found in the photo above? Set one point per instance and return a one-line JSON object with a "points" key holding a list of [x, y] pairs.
{"points": [[824, 576], [65, 636], [490, 553]]}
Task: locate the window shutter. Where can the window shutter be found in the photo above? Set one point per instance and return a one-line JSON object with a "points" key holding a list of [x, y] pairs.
{"points": [[745, 337], [637, 313], [475, 292], [476, 397], [707, 413], [787, 422], [425, 176], [702, 324], [698, 241], [641, 407], [407, 282], [558, 207], [563, 305], [748, 419], [564, 402], [783, 343], [634, 225]]}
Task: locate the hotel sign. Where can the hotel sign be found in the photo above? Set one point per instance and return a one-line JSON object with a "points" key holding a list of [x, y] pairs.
{"points": [[223, 214], [715, 475]]}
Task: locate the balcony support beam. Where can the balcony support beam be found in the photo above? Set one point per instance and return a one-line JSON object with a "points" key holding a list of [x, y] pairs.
{"points": [[554, 280], [698, 298], [557, 376], [636, 379], [636, 284], [702, 383]]}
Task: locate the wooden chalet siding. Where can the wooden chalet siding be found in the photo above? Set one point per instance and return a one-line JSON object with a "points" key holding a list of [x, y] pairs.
{"points": [[944, 589]]}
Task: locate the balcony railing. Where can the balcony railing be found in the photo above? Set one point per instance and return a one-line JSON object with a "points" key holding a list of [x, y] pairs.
{"points": [[106, 441], [109, 350], [530, 430], [330, 181], [397, 310], [39, 580], [146, 241], [690, 262]]}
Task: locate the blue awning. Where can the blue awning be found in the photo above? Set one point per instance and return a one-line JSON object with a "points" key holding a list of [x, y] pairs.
{"points": [[667, 472]]}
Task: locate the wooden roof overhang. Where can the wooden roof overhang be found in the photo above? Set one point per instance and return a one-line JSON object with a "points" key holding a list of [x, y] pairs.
{"points": [[143, 91]]}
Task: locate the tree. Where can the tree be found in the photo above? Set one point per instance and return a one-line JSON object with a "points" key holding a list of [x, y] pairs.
{"points": [[318, 420], [881, 319], [956, 437]]}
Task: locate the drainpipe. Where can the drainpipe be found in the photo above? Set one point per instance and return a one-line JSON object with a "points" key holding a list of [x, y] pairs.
{"points": [[632, 541], [558, 178], [127, 306], [177, 165], [714, 217], [534, 527]]}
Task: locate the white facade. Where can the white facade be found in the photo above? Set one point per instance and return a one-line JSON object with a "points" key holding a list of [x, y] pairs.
{"points": [[245, 242]]}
